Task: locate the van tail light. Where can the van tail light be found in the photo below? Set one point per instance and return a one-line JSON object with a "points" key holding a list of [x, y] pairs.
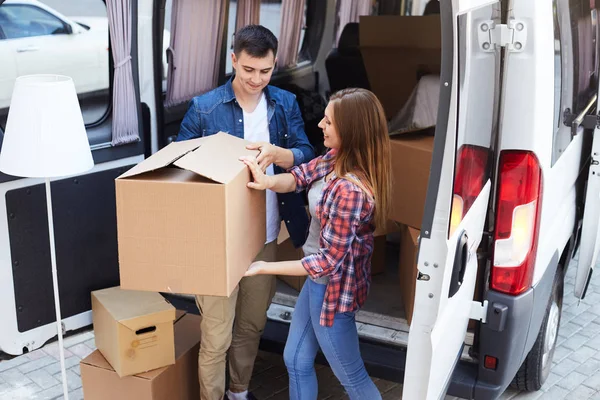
{"points": [[517, 222], [470, 176]]}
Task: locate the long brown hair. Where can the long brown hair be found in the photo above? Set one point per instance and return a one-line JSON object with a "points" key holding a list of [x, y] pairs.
{"points": [[365, 145]]}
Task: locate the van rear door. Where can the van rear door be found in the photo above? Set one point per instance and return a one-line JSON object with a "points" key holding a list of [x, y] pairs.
{"points": [[590, 230], [460, 188]]}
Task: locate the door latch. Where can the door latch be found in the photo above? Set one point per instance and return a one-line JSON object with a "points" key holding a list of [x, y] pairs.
{"points": [[479, 311], [512, 36]]}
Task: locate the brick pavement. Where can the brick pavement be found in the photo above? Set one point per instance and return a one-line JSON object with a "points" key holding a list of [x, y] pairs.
{"points": [[575, 374]]}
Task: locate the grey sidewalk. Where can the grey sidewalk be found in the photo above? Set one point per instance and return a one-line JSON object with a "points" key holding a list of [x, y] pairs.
{"points": [[575, 375]]}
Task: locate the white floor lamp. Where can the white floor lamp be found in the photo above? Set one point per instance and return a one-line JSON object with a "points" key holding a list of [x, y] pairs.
{"points": [[45, 137]]}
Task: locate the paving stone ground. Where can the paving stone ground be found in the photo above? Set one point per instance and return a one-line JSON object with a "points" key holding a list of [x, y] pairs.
{"points": [[575, 374]]}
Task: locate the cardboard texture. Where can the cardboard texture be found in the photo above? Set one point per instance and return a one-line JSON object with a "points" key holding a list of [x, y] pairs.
{"points": [[396, 51], [378, 260], [178, 381], [411, 163], [409, 243], [187, 222], [133, 330]]}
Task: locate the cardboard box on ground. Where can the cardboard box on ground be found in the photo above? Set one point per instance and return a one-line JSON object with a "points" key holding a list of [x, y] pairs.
{"points": [[133, 329], [177, 381], [187, 222]]}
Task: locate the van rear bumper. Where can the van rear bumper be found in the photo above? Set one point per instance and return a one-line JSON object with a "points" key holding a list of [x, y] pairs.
{"points": [[512, 327]]}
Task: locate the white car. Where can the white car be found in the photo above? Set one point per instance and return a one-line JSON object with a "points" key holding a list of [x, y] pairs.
{"points": [[36, 39]]}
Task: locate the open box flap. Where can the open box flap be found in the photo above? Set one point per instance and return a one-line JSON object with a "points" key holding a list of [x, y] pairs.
{"points": [[165, 157], [217, 158]]}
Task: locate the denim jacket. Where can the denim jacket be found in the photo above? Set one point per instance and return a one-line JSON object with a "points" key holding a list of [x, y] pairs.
{"points": [[218, 110]]}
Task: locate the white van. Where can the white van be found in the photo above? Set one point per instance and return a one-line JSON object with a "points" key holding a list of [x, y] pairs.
{"points": [[513, 193]]}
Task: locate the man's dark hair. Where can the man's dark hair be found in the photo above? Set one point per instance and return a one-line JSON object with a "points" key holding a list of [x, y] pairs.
{"points": [[256, 40], [433, 7]]}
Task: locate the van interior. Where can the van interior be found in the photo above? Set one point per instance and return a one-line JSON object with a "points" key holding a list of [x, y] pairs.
{"points": [[399, 59]]}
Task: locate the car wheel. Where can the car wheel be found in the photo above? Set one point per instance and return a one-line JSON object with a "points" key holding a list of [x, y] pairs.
{"points": [[535, 369]]}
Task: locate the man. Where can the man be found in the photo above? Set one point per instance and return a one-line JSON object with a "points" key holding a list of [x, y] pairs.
{"points": [[249, 108]]}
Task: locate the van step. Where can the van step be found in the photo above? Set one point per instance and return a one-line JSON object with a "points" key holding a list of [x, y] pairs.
{"points": [[366, 331]]}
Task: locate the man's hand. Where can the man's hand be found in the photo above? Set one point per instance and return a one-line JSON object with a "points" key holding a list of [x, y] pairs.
{"points": [[267, 156], [261, 181], [255, 268], [270, 154]]}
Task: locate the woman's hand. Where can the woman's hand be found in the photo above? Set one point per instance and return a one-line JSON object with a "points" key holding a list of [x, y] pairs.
{"points": [[267, 155], [261, 180], [255, 268]]}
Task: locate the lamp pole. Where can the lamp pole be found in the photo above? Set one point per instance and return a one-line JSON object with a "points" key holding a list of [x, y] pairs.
{"points": [[59, 326]]}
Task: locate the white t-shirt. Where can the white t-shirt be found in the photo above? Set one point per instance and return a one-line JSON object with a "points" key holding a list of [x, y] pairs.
{"points": [[256, 129]]}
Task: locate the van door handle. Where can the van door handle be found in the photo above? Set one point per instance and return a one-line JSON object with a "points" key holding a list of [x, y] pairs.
{"points": [[27, 49], [460, 264]]}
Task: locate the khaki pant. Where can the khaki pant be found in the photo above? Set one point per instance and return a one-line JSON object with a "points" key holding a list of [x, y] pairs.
{"points": [[248, 305]]}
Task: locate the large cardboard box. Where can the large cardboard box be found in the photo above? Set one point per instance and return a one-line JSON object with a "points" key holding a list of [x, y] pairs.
{"points": [[133, 330], [409, 243], [411, 164], [178, 381], [187, 222], [396, 51]]}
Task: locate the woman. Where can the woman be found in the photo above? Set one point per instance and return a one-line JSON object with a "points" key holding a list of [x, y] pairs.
{"points": [[349, 194]]}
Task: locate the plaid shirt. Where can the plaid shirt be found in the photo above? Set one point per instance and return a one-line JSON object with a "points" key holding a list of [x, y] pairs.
{"points": [[345, 213]]}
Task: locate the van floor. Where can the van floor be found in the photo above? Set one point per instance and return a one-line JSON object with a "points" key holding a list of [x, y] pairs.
{"points": [[381, 319], [384, 294]]}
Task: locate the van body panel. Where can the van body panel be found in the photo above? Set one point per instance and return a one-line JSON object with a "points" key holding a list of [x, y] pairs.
{"points": [[528, 101], [558, 205], [528, 93], [512, 327]]}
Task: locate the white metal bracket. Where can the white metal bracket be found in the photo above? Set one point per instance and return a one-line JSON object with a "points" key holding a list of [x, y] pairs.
{"points": [[479, 311], [512, 36]]}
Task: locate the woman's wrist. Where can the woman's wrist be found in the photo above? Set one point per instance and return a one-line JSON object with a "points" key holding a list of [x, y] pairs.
{"points": [[261, 266]]}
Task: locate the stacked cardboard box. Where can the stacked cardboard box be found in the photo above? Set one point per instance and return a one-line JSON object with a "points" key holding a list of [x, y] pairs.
{"points": [[397, 51], [146, 349]]}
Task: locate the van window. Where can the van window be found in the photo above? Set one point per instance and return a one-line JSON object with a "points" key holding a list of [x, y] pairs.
{"points": [[65, 37], [585, 32], [270, 17], [557, 68], [575, 65]]}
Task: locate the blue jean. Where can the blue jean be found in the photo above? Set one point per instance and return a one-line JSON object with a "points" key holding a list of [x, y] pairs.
{"points": [[339, 343]]}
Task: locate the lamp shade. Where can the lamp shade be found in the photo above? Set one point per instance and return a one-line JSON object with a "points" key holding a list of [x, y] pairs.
{"points": [[45, 134]]}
